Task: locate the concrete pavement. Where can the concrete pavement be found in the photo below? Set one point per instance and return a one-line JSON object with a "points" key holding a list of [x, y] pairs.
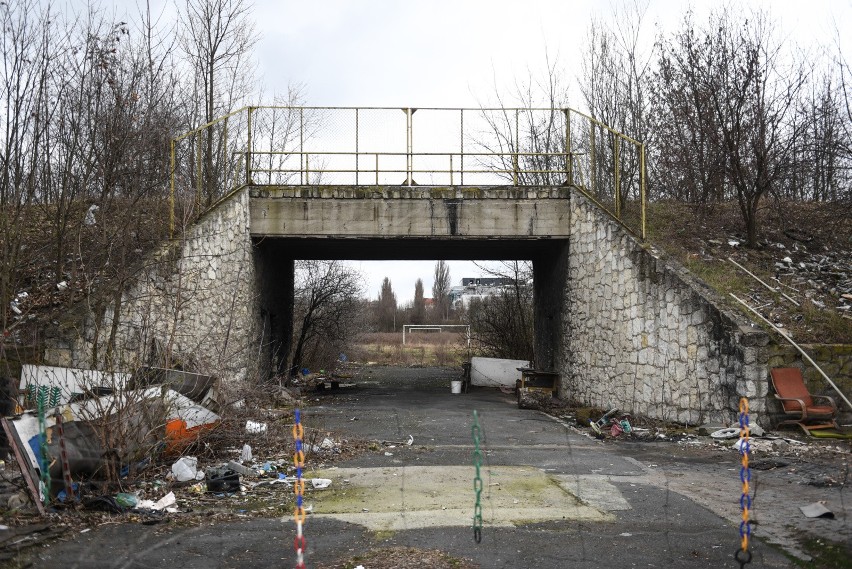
{"points": [[552, 497]]}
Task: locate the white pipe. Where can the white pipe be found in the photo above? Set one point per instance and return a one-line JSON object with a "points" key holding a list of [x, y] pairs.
{"points": [[795, 345], [763, 283]]}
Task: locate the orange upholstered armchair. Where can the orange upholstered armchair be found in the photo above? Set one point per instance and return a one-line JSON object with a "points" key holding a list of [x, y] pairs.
{"points": [[800, 407]]}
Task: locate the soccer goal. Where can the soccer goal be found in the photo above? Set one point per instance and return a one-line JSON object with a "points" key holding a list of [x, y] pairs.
{"points": [[407, 329]]}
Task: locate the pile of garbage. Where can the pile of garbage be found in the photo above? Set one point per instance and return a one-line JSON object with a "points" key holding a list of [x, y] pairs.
{"points": [[151, 444]]}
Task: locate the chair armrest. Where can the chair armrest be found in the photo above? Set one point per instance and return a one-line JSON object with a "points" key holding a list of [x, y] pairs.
{"points": [[802, 407], [830, 400]]}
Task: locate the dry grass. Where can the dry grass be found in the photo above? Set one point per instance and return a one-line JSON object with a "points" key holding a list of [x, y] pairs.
{"points": [[685, 232], [420, 349]]}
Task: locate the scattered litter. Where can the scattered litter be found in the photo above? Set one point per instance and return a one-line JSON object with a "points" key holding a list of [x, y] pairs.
{"points": [[222, 479], [388, 453], [733, 243], [90, 215], [240, 469], [410, 440], [126, 500], [163, 503], [327, 444], [729, 433], [245, 455], [186, 469], [87, 530], [626, 534], [817, 510], [255, 428], [320, 483], [3, 528], [61, 286]]}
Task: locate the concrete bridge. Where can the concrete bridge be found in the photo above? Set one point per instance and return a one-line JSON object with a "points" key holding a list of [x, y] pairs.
{"points": [[621, 326]]}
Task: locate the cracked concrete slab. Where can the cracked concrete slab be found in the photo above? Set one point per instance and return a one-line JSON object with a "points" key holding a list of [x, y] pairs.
{"points": [[411, 497]]}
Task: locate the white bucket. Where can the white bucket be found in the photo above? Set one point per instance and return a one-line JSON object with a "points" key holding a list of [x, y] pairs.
{"points": [[455, 386]]}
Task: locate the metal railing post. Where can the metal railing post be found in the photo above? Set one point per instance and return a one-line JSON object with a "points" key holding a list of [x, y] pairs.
{"points": [[592, 165], [302, 161], [616, 176], [461, 147], [569, 166], [172, 190], [198, 167], [225, 146], [515, 163], [356, 147], [248, 148], [642, 188], [409, 143]]}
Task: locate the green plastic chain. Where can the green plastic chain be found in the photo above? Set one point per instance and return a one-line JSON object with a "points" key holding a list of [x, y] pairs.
{"points": [[477, 480]]}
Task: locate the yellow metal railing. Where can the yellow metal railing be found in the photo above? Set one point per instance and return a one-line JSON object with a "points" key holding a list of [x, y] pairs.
{"points": [[275, 146]]}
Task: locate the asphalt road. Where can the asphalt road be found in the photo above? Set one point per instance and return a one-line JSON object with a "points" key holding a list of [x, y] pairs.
{"points": [[552, 498]]}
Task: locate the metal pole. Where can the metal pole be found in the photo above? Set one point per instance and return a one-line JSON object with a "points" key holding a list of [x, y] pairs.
{"points": [[461, 147], [301, 145], [515, 165], [225, 145], [172, 191], [356, 147], [198, 167], [407, 112], [248, 148], [642, 187], [617, 178], [592, 166], [568, 162]]}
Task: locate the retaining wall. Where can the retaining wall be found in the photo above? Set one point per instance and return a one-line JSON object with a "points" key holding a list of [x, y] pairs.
{"points": [[643, 335], [193, 298]]}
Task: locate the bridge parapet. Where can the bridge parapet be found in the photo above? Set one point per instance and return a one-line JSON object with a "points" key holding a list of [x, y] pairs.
{"points": [[407, 147]]}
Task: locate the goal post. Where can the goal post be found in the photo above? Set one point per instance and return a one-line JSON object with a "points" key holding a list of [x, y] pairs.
{"points": [[407, 328]]}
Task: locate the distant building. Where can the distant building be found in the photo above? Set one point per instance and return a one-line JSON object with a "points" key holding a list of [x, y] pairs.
{"points": [[477, 287]]}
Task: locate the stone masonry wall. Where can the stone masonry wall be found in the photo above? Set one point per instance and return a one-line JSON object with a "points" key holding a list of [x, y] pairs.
{"points": [[646, 337], [193, 298]]}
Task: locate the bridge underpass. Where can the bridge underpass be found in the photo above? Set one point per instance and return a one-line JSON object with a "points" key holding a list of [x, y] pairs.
{"points": [[622, 326], [422, 228]]}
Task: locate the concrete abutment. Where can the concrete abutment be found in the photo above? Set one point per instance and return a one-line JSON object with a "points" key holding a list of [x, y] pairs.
{"points": [[623, 327]]}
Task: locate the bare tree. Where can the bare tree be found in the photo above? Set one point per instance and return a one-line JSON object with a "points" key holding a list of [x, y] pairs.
{"points": [[441, 291], [734, 70], [689, 163], [616, 68], [326, 311], [217, 37], [30, 41], [502, 324]]}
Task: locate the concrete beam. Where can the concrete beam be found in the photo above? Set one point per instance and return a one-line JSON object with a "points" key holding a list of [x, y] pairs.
{"points": [[388, 212]]}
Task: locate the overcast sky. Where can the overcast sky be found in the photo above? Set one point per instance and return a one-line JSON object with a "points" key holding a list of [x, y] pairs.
{"points": [[458, 53]]}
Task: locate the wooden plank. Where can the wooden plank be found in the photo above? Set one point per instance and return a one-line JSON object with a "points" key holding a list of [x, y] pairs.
{"points": [[27, 470]]}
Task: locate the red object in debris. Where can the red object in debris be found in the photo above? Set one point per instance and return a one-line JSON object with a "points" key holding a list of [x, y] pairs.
{"points": [[178, 436]]}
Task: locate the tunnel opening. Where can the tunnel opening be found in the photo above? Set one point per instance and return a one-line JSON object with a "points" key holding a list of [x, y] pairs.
{"points": [[276, 260]]}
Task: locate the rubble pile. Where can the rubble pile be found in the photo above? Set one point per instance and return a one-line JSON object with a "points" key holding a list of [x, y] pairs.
{"points": [[165, 456], [823, 279]]}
